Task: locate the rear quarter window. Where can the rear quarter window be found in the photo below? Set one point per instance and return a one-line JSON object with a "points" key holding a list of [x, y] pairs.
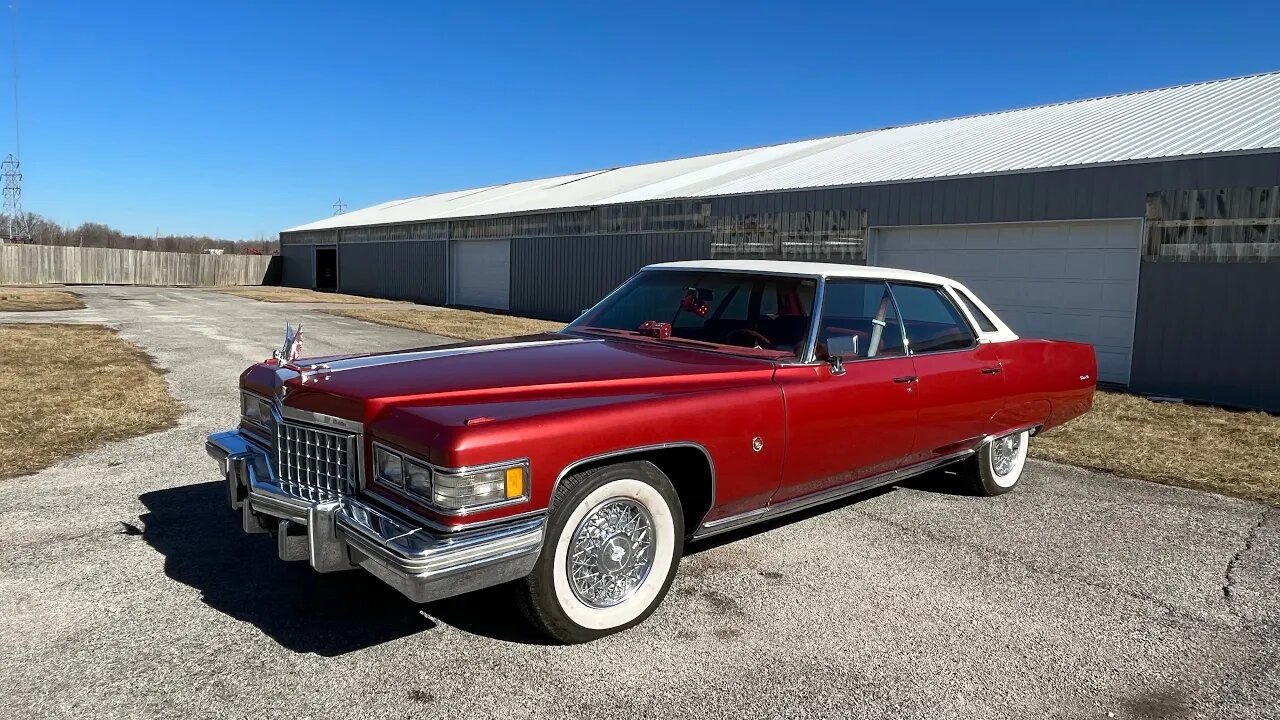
{"points": [[980, 317]]}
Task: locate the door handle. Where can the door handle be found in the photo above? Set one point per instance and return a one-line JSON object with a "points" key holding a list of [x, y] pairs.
{"points": [[990, 370], [906, 379]]}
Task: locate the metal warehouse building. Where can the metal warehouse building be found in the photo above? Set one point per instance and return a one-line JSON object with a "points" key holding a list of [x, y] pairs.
{"points": [[1147, 224]]}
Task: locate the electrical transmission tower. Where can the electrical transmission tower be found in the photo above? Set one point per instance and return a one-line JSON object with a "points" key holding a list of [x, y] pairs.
{"points": [[16, 220], [339, 207]]}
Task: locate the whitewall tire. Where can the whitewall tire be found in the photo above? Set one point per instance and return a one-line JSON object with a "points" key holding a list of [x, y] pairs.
{"points": [[998, 464], [613, 542]]}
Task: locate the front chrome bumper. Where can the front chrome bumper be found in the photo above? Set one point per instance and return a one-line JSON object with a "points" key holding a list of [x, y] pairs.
{"points": [[340, 532]]}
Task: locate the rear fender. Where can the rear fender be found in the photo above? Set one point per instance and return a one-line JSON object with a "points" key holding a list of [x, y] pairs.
{"points": [[1049, 381]]}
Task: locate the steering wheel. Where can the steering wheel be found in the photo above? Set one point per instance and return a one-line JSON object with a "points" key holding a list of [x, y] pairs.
{"points": [[754, 336]]}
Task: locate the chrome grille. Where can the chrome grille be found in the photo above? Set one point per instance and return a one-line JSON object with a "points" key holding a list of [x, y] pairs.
{"points": [[308, 459]]}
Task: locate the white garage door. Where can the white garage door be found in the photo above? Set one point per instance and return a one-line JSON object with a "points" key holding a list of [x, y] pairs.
{"points": [[1062, 280], [480, 273]]}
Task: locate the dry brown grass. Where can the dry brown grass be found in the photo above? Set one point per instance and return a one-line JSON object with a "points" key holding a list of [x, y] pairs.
{"points": [[33, 299], [67, 389], [270, 293], [461, 324], [1206, 448]]}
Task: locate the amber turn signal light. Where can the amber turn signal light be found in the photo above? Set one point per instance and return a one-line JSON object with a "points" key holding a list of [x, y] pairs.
{"points": [[515, 482]]}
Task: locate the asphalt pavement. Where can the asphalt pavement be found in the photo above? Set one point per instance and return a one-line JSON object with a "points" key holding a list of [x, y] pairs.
{"points": [[128, 590]]}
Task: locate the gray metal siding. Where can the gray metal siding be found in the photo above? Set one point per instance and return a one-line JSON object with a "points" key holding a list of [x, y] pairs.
{"points": [[556, 277], [1207, 332], [410, 270], [1117, 191], [298, 265]]}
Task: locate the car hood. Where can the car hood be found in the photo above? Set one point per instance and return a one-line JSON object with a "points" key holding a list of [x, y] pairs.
{"points": [[532, 367]]}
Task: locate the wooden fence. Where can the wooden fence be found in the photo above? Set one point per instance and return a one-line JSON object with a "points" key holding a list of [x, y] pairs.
{"points": [[32, 264]]}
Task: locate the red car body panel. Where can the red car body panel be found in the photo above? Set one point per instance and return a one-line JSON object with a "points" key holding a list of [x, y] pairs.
{"points": [[844, 428], [557, 400], [959, 397]]}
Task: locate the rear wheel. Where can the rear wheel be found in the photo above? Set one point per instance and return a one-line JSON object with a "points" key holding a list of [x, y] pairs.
{"points": [[997, 466], [612, 546]]}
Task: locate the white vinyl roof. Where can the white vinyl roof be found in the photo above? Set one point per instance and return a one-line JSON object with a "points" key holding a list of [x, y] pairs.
{"points": [[1221, 116], [797, 267]]}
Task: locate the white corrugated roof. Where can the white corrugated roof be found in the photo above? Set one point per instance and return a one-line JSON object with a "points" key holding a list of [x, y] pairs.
{"points": [[1220, 116]]}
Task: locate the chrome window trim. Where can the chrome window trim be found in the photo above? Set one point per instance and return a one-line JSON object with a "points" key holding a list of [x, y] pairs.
{"points": [[465, 470], [962, 301], [815, 322]]}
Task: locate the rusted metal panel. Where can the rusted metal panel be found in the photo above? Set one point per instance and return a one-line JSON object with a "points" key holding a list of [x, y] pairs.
{"points": [[1239, 224]]}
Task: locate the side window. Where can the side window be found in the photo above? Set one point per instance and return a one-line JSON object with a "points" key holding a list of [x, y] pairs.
{"points": [[984, 322], [859, 321], [932, 322]]}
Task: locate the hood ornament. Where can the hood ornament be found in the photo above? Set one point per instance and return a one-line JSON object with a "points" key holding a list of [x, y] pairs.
{"points": [[287, 357], [292, 347]]}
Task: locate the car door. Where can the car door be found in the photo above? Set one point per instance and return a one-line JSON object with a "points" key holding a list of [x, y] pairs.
{"points": [[855, 421], [959, 381]]}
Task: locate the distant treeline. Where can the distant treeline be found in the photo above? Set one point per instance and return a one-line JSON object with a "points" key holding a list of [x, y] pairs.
{"points": [[47, 232]]}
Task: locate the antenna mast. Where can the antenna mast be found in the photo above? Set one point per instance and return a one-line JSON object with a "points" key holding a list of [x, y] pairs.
{"points": [[17, 226], [339, 207]]}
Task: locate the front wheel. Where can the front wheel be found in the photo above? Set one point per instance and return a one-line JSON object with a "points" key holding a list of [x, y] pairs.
{"points": [[613, 542], [997, 466]]}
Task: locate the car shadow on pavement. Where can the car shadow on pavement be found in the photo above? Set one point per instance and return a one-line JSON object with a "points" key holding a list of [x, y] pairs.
{"points": [[303, 610]]}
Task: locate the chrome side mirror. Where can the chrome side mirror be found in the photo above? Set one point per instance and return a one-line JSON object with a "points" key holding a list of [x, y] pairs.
{"points": [[837, 364]]}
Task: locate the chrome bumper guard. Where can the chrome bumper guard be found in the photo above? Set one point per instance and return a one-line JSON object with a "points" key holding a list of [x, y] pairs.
{"points": [[340, 532]]}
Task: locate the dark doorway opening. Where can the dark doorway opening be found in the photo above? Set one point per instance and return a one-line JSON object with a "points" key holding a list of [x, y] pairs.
{"points": [[327, 269]]}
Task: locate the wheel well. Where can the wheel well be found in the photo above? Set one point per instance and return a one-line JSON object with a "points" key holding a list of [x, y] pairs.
{"points": [[689, 469]]}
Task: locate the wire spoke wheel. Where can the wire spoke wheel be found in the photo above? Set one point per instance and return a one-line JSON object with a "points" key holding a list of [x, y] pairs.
{"points": [[611, 553], [1004, 453]]}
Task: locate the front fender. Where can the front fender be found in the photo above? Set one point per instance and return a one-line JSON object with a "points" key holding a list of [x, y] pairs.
{"points": [[556, 435]]}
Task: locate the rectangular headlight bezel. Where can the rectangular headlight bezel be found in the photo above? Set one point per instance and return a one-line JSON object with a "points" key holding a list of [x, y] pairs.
{"points": [[451, 478], [256, 410]]}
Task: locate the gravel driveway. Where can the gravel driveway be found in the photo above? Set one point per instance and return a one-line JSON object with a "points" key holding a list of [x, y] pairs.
{"points": [[127, 590]]}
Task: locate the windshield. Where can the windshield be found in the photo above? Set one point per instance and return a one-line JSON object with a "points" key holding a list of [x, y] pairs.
{"points": [[760, 314]]}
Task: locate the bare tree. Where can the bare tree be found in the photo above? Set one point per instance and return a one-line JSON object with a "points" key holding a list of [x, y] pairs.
{"points": [[47, 232]]}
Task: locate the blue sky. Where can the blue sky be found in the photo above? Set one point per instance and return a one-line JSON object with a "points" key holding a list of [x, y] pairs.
{"points": [[236, 119]]}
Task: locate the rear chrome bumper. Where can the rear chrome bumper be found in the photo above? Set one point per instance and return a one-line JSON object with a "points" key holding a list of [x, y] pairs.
{"points": [[340, 532]]}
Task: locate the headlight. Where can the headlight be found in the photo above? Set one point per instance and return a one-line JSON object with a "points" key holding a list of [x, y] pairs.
{"points": [[388, 467], [451, 492], [417, 479], [455, 492], [255, 409]]}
